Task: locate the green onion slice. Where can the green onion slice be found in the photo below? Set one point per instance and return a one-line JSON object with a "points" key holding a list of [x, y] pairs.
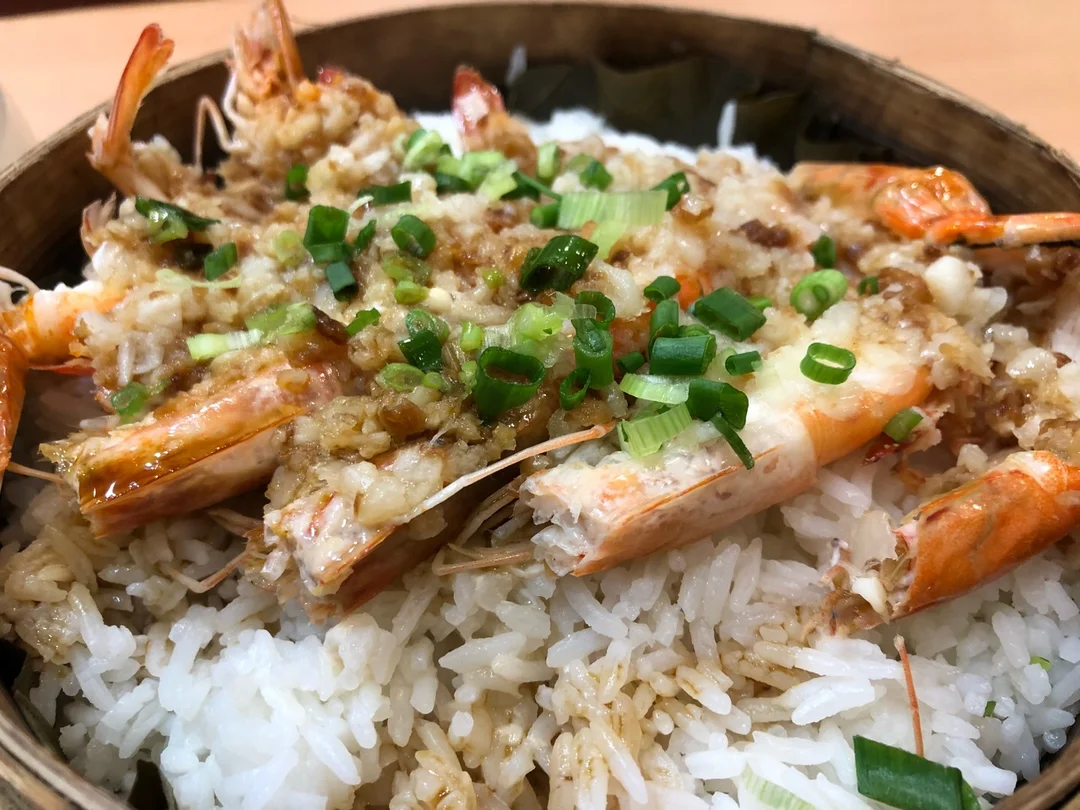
{"points": [[655, 389], [675, 187], [493, 278], [422, 150], [387, 195], [499, 181], [662, 288], [533, 188], [591, 172], [646, 435], [1042, 662], [436, 381], [450, 184], [168, 221], [364, 318], [900, 426], [629, 363], [605, 235], [548, 162], [573, 388], [413, 236], [989, 710], [906, 781], [828, 364], [363, 239], [771, 794], [341, 280], [734, 440], [282, 319], [592, 350], [475, 166], [219, 261], [824, 252], [682, 356], [868, 286], [632, 208], [400, 377], [664, 321], [557, 265], [472, 336], [504, 380], [742, 363], [709, 398], [207, 346], [296, 182], [129, 401], [289, 249], [728, 312], [760, 302], [423, 350], [420, 320], [818, 291], [605, 309], [403, 267], [545, 216], [692, 330], [325, 234], [409, 292]]}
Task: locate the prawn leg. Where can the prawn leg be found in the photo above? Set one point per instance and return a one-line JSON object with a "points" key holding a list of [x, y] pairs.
{"points": [[935, 203], [963, 539]]}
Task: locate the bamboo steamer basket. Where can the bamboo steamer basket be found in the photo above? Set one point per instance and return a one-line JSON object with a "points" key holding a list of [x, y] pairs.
{"points": [[661, 70]]}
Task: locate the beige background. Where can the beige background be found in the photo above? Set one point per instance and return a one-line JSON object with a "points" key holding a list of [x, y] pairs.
{"points": [[1021, 58]]}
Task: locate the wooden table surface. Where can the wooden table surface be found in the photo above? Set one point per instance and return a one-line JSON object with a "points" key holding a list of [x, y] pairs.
{"points": [[1018, 58]]}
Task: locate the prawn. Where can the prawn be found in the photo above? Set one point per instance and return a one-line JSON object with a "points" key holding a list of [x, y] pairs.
{"points": [[957, 541], [935, 203], [199, 448], [484, 123]]}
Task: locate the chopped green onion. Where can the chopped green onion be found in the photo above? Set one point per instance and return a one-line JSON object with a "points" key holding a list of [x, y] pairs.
{"points": [[401, 377], [545, 216], [592, 350], [403, 267], [167, 277], [422, 150], [728, 312], [675, 187], [364, 318], [493, 277], [522, 190], [341, 280], [475, 166], [707, 398], [828, 364], [646, 435], [450, 184], [989, 710], [605, 235], [548, 162], [591, 172], [906, 781], [605, 309], [504, 380], [692, 330], [900, 426], [296, 182], [662, 288], [219, 261], [743, 363], [413, 236], [818, 291], [655, 389], [573, 388], [632, 208], [681, 357], [409, 292], [472, 337], [325, 234], [363, 239], [1042, 662], [210, 345], [434, 379], [168, 221], [469, 370], [868, 286], [557, 265], [629, 363], [420, 320], [824, 251], [760, 302], [129, 401], [499, 181], [532, 188], [289, 249], [771, 794], [664, 321], [282, 319], [422, 350], [387, 195], [734, 440]]}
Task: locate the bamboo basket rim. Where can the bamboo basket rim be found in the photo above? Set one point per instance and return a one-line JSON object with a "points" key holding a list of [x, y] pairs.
{"points": [[36, 774]]}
